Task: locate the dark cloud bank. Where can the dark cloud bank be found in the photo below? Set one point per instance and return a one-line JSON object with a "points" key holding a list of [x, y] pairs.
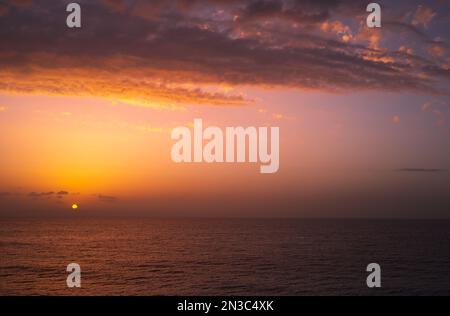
{"points": [[156, 50]]}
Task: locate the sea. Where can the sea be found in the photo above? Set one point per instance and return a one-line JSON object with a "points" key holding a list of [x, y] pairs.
{"points": [[224, 257]]}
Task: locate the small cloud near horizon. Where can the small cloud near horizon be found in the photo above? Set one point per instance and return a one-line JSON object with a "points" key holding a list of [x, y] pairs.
{"points": [[40, 194], [106, 198], [421, 170], [48, 194]]}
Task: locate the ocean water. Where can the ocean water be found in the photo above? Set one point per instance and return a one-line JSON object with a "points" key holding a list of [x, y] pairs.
{"points": [[224, 257]]}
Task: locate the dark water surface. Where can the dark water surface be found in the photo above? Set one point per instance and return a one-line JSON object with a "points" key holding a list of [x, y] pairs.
{"points": [[223, 257]]}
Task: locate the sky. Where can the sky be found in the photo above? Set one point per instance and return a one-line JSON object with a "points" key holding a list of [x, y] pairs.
{"points": [[86, 114]]}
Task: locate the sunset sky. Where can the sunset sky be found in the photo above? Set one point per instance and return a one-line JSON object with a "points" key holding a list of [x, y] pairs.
{"points": [[86, 114]]}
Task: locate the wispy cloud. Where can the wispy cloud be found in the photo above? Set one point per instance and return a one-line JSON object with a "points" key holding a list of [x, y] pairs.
{"points": [[106, 198], [40, 194], [423, 16], [421, 170], [439, 110], [152, 129], [426, 106], [396, 119], [48, 194]]}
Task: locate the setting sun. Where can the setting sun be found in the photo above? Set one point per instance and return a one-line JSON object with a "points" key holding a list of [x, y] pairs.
{"points": [[74, 206]]}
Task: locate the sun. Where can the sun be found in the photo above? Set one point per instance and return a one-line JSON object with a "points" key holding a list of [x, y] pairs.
{"points": [[74, 206]]}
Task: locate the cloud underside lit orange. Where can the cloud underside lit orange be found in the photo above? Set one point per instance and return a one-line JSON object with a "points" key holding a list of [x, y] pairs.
{"points": [[123, 79], [173, 54], [129, 87]]}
